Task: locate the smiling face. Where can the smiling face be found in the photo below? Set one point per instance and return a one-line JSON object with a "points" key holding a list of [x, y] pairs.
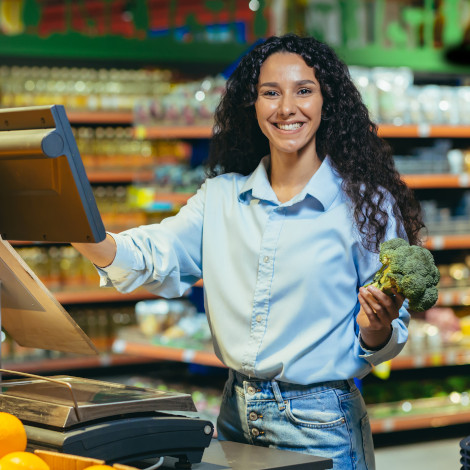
{"points": [[289, 104]]}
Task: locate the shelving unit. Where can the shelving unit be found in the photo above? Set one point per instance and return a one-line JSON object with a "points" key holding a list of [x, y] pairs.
{"points": [[144, 348], [454, 415], [127, 352]]}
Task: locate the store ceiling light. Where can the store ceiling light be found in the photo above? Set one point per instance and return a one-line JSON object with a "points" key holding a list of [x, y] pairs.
{"points": [[254, 5], [200, 95]]}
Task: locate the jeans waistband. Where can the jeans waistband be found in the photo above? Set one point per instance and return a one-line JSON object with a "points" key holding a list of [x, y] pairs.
{"points": [[265, 388]]}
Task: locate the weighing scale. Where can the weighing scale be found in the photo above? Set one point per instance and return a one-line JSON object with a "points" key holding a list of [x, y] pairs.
{"points": [[45, 195]]}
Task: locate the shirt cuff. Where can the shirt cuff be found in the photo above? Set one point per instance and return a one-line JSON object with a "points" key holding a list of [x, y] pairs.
{"points": [[118, 270], [375, 357]]}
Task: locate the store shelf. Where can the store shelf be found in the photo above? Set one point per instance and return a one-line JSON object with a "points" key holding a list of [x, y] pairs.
{"points": [[420, 414], [384, 130], [423, 130], [166, 353], [431, 420], [438, 358], [205, 131], [100, 117], [445, 180], [448, 242], [119, 175], [173, 132], [103, 294], [100, 295], [401, 362], [41, 366], [173, 198]]}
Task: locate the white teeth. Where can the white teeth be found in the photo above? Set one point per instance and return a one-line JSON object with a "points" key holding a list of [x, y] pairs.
{"points": [[289, 127]]}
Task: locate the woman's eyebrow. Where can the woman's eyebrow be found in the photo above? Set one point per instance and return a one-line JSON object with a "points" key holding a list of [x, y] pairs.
{"points": [[299, 83]]}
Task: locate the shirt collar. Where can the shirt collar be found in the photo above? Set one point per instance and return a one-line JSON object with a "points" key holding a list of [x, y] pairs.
{"points": [[323, 186]]}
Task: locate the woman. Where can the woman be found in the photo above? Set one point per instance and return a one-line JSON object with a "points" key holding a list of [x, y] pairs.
{"points": [[284, 233]]}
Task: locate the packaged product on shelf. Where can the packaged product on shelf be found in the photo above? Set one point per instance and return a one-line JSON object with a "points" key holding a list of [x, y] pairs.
{"points": [[463, 101], [428, 159], [393, 98], [429, 98], [186, 104], [392, 85], [81, 88], [173, 323], [363, 80]]}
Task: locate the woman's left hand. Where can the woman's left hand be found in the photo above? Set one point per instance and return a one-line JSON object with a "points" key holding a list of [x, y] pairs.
{"points": [[376, 314]]}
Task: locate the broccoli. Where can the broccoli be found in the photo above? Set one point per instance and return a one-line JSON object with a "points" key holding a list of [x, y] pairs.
{"points": [[410, 270]]}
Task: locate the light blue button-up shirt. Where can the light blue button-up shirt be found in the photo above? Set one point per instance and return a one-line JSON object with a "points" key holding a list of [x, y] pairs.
{"points": [[280, 280]]}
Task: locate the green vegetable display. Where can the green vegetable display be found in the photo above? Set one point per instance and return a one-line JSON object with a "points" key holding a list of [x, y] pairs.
{"points": [[410, 270]]}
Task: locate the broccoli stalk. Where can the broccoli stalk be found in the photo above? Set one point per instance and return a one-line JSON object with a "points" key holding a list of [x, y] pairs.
{"points": [[409, 270]]}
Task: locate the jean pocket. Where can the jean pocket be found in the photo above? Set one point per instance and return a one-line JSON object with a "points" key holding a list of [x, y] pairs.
{"points": [[367, 443], [315, 410]]}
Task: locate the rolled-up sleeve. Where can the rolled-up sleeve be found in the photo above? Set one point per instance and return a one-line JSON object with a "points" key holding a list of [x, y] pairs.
{"points": [[165, 258]]}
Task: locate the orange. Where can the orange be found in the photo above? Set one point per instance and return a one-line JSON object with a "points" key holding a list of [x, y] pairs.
{"points": [[22, 461], [12, 434]]}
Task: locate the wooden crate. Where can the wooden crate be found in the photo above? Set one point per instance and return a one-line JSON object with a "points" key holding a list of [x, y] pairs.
{"points": [[58, 461]]}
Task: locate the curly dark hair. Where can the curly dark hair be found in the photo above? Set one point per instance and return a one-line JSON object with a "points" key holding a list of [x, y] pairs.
{"points": [[346, 133]]}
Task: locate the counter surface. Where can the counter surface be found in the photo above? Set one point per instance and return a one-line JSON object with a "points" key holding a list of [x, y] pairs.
{"points": [[222, 455]]}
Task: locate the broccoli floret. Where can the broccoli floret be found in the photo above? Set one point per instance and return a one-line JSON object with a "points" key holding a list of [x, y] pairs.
{"points": [[410, 270]]}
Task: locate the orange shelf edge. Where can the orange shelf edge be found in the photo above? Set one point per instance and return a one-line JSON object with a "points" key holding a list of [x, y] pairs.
{"points": [[430, 420], [445, 180], [423, 130], [100, 117], [448, 242], [117, 176], [449, 357], [169, 354], [70, 363], [101, 295]]}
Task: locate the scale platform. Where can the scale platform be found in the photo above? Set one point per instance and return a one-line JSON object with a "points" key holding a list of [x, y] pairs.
{"points": [[108, 421], [45, 196]]}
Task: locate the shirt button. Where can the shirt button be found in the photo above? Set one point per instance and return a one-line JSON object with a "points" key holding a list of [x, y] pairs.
{"points": [[253, 416], [259, 318], [255, 432], [266, 259], [251, 390]]}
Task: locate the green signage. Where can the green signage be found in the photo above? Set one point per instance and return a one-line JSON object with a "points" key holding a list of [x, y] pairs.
{"points": [[421, 35]]}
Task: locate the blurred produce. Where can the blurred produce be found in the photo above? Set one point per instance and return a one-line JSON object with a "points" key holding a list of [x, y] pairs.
{"points": [[173, 323]]}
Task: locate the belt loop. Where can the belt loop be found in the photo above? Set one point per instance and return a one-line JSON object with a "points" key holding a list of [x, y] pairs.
{"points": [[278, 395], [229, 383]]}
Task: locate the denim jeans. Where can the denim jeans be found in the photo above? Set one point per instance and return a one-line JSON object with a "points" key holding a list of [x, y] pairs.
{"points": [[328, 419]]}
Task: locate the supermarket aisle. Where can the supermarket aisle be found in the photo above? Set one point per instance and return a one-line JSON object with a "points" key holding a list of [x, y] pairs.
{"points": [[433, 455]]}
